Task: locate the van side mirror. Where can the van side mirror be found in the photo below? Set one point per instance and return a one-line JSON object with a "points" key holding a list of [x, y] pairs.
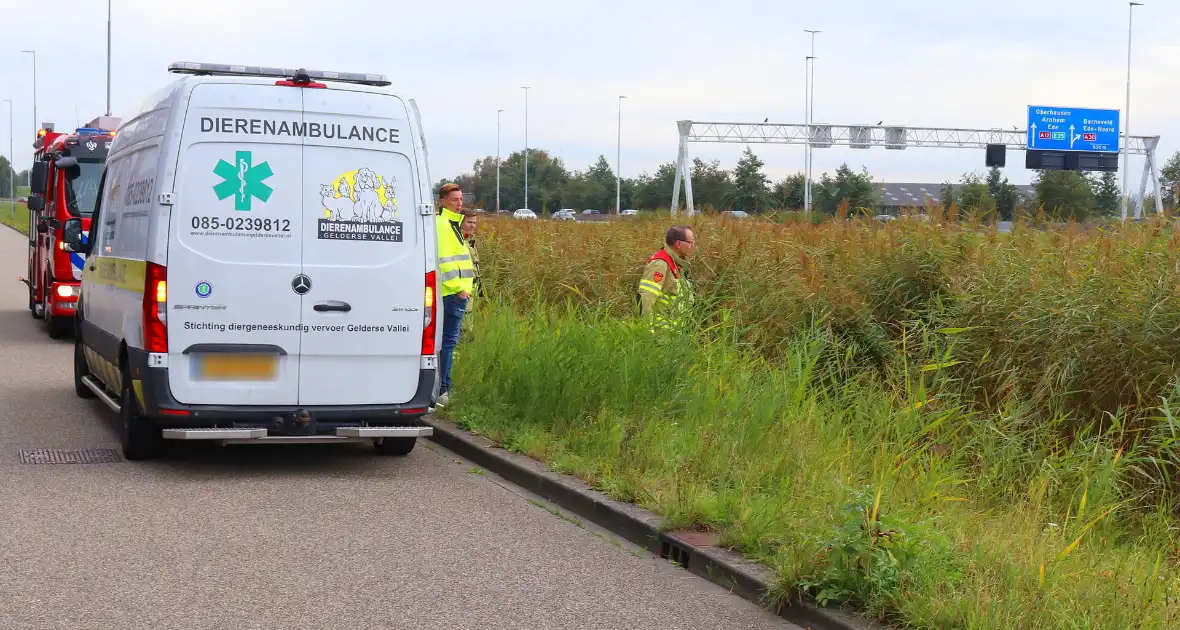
{"points": [[72, 236], [37, 178], [35, 202]]}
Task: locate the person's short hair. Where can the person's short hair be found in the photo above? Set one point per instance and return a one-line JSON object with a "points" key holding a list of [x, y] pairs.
{"points": [[447, 189], [676, 233], [469, 212]]}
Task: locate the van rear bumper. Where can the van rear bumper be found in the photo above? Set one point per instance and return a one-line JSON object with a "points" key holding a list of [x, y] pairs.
{"points": [[166, 412]]}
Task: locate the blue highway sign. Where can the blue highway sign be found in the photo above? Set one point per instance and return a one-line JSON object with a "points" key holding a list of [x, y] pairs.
{"points": [[1073, 129]]}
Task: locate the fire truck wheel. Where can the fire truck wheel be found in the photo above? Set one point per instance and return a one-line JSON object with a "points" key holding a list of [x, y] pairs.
{"points": [[58, 326], [80, 370], [141, 439]]}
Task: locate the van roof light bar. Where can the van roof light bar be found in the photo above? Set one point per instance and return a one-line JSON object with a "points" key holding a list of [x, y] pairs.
{"points": [[226, 70]]}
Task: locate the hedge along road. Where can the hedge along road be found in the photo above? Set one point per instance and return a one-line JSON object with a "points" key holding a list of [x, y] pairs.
{"points": [[291, 536]]}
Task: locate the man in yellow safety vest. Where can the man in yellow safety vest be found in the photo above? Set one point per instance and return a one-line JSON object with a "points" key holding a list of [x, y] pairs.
{"points": [[456, 275], [664, 292]]}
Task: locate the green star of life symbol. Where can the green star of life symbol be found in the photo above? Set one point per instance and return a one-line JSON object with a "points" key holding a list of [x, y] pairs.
{"points": [[243, 181]]}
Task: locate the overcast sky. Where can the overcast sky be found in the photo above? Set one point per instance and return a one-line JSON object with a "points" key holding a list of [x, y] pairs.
{"points": [[968, 63]]}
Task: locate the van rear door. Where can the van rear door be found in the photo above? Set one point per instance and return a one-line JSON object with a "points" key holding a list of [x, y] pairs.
{"points": [[363, 251], [236, 230]]}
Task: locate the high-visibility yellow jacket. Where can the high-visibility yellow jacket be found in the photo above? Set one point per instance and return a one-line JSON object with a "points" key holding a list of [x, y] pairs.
{"points": [[664, 291], [455, 268]]}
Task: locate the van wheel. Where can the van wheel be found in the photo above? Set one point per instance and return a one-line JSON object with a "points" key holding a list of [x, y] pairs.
{"points": [[141, 439], [394, 446], [80, 370]]}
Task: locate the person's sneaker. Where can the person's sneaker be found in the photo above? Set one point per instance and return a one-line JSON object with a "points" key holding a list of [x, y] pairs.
{"points": [[443, 400]]}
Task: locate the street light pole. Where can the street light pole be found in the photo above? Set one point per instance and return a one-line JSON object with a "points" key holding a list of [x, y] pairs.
{"points": [[619, 162], [498, 111], [108, 57], [36, 123], [11, 167], [809, 107], [526, 144], [1127, 116]]}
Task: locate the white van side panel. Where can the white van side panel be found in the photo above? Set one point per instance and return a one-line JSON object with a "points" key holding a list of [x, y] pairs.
{"points": [[236, 233], [133, 197], [364, 250]]}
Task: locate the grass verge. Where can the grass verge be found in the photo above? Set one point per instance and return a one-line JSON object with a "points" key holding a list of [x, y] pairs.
{"points": [[924, 515], [19, 217], [941, 424]]}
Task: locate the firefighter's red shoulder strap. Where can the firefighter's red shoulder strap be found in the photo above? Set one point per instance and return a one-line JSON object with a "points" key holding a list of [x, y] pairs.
{"points": [[663, 255]]}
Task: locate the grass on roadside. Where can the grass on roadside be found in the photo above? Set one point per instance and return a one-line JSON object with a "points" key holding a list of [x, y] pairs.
{"points": [[16, 216], [995, 411], [898, 500]]}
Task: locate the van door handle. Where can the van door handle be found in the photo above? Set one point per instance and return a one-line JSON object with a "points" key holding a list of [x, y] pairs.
{"points": [[333, 305]]}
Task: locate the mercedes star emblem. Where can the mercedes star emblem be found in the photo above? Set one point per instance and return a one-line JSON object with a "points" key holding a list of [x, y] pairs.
{"points": [[301, 284]]}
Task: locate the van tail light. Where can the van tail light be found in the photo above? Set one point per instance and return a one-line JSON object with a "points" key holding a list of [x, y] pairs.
{"points": [[429, 316], [155, 308]]}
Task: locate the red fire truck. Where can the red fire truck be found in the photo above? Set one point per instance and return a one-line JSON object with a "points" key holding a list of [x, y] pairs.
{"points": [[67, 167]]}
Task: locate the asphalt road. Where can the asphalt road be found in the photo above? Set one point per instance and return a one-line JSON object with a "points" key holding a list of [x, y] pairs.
{"points": [[297, 536]]}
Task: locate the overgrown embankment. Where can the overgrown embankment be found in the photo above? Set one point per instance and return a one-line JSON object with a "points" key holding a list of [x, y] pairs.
{"points": [[995, 411]]}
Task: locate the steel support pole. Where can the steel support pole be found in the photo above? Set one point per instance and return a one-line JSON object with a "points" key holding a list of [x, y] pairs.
{"points": [[619, 161], [1127, 115], [109, 57], [11, 166], [498, 112], [809, 96], [526, 145]]}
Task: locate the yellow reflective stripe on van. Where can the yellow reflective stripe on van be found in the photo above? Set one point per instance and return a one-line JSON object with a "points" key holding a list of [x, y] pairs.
{"points": [[121, 273]]}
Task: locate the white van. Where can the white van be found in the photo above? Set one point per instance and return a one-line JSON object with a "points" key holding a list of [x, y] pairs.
{"points": [[261, 264]]}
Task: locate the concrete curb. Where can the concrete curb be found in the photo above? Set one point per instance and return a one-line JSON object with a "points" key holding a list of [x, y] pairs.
{"points": [[751, 580]]}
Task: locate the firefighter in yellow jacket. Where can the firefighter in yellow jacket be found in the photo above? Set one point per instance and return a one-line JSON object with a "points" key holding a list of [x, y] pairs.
{"points": [[664, 292]]}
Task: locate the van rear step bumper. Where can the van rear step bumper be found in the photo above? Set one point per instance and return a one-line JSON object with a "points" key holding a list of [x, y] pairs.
{"points": [[255, 435]]}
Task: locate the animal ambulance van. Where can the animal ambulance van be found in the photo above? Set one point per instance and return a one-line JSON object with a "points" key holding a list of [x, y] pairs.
{"points": [[261, 265]]}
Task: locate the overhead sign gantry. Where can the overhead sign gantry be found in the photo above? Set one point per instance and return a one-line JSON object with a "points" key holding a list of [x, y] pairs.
{"points": [[1093, 154]]}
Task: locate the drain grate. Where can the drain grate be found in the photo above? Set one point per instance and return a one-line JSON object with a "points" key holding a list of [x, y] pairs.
{"points": [[68, 456]]}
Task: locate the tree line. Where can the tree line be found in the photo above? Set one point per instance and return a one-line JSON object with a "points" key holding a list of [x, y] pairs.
{"points": [[21, 178], [1062, 194]]}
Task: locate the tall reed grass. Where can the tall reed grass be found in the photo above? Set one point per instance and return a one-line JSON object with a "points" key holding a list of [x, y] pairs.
{"points": [[942, 425]]}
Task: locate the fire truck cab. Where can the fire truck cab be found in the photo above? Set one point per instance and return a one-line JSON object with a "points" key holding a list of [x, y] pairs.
{"points": [[67, 168]]}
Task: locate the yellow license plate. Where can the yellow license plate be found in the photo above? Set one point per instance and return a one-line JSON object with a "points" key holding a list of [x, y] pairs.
{"points": [[236, 367]]}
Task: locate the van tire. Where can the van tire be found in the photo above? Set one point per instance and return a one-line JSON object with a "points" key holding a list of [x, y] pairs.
{"points": [[80, 370], [140, 438], [394, 446]]}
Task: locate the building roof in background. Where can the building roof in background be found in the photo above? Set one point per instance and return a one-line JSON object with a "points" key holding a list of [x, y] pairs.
{"points": [[919, 194]]}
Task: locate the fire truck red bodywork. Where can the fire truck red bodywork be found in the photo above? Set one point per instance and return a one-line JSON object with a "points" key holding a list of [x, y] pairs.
{"points": [[54, 269]]}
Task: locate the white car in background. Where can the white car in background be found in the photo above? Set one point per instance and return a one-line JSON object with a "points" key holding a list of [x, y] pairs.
{"points": [[524, 213], [629, 212], [565, 214]]}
